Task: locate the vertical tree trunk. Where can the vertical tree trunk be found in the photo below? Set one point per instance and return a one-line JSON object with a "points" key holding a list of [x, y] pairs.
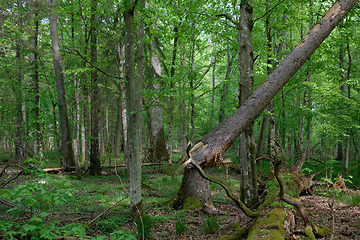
{"points": [[171, 100], [260, 148], [248, 186], [139, 78], [213, 79], [200, 190], [159, 151], [38, 148], [223, 95], [192, 99], [67, 149], [19, 135], [132, 111], [347, 154], [121, 118], [95, 168]]}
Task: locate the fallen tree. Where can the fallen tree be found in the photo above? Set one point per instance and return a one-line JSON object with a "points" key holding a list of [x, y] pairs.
{"points": [[210, 147]]}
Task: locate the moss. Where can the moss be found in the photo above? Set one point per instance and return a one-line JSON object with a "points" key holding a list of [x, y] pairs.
{"points": [[268, 201], [192, 203], [240, 234], [309, 233], [322, 231], [269, 227]]}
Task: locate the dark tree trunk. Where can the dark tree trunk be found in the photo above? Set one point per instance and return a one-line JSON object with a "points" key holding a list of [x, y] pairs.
{"points": [[67, 149], [171, 100], [38, 149], [95, 166], [19, 137], [221, 138]]}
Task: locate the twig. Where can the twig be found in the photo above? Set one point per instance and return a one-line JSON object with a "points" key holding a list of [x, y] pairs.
{"points": [[267, 12], [75, 51], [106, 210]]}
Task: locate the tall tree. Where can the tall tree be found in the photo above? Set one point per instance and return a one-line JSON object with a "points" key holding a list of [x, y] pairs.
{"points": [[94, 135], [248, 186], [159, 151], [132, 112], [67, 149]]}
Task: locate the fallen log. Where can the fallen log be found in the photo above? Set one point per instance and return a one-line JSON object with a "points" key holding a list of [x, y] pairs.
{"points": [[50, 170]]}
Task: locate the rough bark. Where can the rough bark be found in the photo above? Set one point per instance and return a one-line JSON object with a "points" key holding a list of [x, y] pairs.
{"points": [[200, 190], [140, 76], [67, 149], [131, 106], [95, 168], [248, 186]]}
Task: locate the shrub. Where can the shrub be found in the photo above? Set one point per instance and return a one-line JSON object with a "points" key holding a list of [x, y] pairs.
{"points": [[211, 225], [144, 226], [180, 227]]}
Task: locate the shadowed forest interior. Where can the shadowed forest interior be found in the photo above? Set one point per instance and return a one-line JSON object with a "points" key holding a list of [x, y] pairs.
{"points": [[181, 119]]}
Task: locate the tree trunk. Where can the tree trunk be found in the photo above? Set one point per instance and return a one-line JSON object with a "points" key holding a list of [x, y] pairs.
{"points": [[159, 151], [248, 185], [95, 168], [171, 100], [213, 79], [139, 78], [132, 123], [120, 104], [37, 144], [200, 190], [67, 149], [221, 138], [19, 137], [223, 95]]}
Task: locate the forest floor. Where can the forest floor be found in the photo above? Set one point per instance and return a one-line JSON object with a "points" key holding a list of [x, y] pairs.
{"points": [[107, 195]]}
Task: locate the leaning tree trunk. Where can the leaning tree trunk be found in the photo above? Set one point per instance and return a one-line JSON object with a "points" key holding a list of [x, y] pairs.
{"points": [[66, 142], [221, 138]]}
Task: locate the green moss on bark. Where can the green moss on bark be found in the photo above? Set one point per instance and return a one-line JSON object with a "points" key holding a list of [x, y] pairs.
{"points": [[269, 227]]}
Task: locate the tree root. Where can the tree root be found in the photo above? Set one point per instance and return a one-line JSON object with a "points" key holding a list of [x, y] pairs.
{"points": [[310, 227], [229, 193]]}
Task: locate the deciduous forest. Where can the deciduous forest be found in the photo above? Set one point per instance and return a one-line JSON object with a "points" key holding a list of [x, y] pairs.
{"points": [[138, 119]]}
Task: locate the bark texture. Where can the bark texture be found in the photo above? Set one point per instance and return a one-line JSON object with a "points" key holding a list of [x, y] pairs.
{"points": [[131, 106], [67, 149], [248, 186]]}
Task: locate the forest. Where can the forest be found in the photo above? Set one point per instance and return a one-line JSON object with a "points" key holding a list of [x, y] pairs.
{"points": [[179, 119]]}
